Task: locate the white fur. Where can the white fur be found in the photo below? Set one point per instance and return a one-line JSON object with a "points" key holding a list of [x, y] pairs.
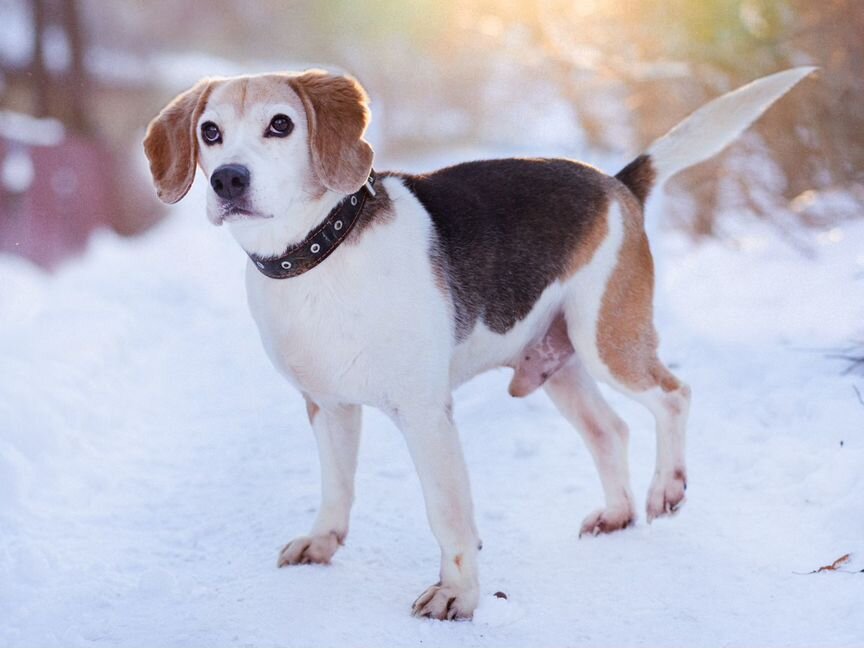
{"points": [[586, 289], [574, 392], [715, 125], [355, 329]]}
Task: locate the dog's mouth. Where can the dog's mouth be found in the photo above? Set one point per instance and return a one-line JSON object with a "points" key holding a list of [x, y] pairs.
{"points": [[233, 214]]}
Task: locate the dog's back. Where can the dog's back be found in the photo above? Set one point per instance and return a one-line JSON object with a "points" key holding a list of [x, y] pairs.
{"points": [[507, 228]]}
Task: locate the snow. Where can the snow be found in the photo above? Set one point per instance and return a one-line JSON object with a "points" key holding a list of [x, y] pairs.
{"points": [[16, 171], [152, 464], [16, 33], [33, 131]]}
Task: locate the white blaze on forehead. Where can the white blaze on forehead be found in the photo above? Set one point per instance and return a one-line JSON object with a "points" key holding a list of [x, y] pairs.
{"points": [[247, 94]]}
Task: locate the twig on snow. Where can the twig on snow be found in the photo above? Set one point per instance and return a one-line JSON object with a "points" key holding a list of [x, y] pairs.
{"points": [[834, 567]]}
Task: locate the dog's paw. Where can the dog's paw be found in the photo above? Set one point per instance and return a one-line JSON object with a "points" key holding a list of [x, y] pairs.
{"points": [[666, 494], [607, 521], [306, 550], [446, 603]]}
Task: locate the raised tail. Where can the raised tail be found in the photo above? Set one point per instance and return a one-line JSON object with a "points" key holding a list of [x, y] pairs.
{"points": [[707, 131]]}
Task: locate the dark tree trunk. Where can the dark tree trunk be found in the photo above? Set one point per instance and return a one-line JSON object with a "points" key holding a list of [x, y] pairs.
{"points": [[76, 80], [62, 94], [39, 74]]}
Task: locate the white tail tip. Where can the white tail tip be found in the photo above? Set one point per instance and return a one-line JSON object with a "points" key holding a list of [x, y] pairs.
{"points": [[715, 125]]}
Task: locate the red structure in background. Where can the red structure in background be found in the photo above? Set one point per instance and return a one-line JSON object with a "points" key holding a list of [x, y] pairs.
{"points": [[55, 189]]}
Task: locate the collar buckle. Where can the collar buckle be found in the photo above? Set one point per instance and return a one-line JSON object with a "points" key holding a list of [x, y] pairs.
{"points": [[369, 186]]}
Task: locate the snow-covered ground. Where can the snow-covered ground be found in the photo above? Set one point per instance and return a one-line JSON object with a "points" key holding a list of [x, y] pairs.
{"points": [[152, 464]]}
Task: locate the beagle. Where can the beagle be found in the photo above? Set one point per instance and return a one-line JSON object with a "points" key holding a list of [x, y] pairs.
{"points": [[391, 289]]}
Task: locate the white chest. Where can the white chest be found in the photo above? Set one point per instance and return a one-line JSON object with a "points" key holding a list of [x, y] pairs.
{"points": [[365, 326]]}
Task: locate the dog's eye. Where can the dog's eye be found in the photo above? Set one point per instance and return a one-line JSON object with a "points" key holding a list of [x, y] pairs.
{"points": [[210, 133], [280, 126]]}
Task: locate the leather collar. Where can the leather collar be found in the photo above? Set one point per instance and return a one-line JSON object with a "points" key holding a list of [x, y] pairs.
{"points": [[321, 241]]}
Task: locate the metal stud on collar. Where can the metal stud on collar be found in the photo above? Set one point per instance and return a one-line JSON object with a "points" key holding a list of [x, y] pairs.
{"points": [[337, 225], [353, 201], [315, 248], [286, 265]]}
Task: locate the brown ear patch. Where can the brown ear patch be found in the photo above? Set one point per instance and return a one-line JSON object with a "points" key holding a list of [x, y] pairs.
{"points": [[171, 144], [337, 115]]}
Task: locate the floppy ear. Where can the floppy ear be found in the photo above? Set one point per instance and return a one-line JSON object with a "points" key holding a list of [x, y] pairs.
{"points": [[171, 144], [337, 115]]}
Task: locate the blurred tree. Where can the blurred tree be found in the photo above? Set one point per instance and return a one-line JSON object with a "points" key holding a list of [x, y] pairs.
{"points": [[816, 136], [478, 73], [55, 81], [668, 57]]}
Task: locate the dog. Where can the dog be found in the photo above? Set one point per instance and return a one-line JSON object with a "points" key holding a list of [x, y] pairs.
{"points": [[391, 289]]}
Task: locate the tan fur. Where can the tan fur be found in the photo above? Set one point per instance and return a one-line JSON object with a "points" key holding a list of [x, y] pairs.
{"points": [[337, 115], [244, 86], [312, 409], [233, 92], [249, 91], [171, 143], [587, 246], [626, 338]]}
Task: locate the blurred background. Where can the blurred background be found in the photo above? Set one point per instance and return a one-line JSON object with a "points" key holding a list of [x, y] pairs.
{"points": [[152, 462], [591, 79]]}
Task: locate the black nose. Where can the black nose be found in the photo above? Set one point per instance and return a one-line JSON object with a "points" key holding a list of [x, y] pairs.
{"points": [[230, 181]]}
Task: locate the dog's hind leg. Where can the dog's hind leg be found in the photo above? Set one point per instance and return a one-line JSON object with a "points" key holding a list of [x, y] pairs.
{"points": [[337, 433], [668, 399], [669, 402], [577, 397], [627, 346], [618, 344]]}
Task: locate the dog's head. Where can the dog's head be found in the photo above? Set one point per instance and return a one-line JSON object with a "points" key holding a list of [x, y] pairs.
{"points": [[268, 144]]}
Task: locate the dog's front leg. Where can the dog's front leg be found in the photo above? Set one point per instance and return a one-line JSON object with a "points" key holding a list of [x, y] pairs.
{"points": [[433, 442], [337, 432]]}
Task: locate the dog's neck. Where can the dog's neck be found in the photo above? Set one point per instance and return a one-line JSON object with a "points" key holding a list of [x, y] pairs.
{"points": [[271, 237]]}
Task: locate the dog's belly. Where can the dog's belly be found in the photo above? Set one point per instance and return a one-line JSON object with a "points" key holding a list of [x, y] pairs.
{"points": [[483, 349]]}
